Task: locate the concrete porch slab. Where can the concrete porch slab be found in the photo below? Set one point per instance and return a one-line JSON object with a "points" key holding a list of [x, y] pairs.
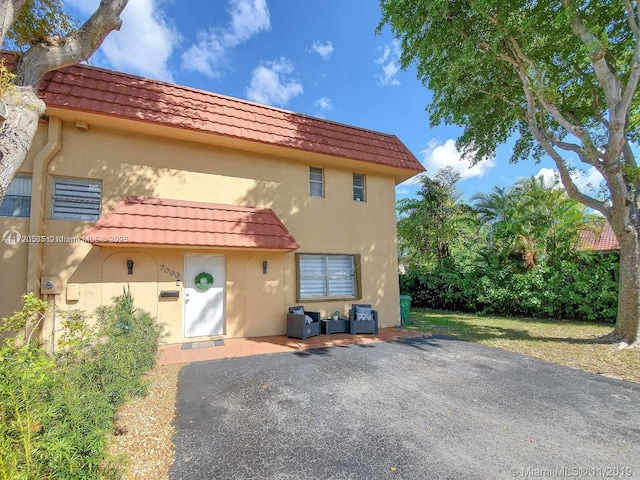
{"points": [[243, 347]]}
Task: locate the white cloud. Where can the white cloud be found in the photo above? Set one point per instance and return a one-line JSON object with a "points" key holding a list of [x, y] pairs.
{"points": [[209, 55], [324, 103], [144, 43], [324, 51], [389, 61], [274, 83], [586, 181], [550, 177], [439, 155]]}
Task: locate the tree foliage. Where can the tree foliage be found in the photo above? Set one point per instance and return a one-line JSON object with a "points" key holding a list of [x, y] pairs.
{"points": [[429, 225], [531, 69], [40, 21], [559, 76], [530, 220], [519, 258]]}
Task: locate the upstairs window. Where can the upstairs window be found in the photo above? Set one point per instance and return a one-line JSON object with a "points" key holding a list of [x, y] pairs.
{"points": [[74, 199], [359, 192], [17, 200], [316, 182], [328, 276]]}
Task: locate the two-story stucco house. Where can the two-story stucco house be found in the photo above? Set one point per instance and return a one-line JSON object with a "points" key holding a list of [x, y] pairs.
{"points": [[152, 185]]}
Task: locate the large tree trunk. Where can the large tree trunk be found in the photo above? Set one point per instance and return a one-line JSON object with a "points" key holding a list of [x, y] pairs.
{"points": [[627, 324], [24, 109]]}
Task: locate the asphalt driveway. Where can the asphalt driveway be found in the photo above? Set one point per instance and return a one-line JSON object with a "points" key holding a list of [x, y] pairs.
{"points": [[422, 408]]}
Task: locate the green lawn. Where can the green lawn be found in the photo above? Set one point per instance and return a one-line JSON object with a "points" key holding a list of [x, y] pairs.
{"points": [[573, 344]]}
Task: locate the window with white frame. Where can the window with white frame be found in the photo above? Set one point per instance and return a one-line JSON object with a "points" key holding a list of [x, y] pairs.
{"points": [[17, 200], [328, 276], [316, 182], [73, 199], [359, 187]]}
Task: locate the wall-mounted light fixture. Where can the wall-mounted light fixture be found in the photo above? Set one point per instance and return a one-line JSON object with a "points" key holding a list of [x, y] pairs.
{"points": [[264, 267], [130, 267]]}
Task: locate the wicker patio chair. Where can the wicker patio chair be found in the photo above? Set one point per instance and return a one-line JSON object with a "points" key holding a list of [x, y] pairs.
{"points": [[363, 319], [299, 325]]}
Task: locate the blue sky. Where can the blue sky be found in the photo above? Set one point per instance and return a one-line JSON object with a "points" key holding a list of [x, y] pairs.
{"points": [[316, 57]]}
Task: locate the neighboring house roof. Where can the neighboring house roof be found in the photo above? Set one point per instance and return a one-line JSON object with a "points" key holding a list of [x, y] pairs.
{"points": [[155, 221], [598, 239], [116, 94]]}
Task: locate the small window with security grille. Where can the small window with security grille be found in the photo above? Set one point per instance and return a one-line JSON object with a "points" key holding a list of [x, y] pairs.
{"points": [[73, 199], [17, 200]]}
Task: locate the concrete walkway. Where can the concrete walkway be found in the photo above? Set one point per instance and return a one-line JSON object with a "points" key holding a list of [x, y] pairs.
{"points": [[185, 353]]}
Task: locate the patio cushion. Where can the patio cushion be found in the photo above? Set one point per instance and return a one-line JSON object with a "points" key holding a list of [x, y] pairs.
{"points": [[297, 310], [364, 314], [308, 320]]}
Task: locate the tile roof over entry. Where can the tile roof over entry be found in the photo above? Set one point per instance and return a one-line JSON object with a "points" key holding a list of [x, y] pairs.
{"points": [[162, 222], [105, 92]]}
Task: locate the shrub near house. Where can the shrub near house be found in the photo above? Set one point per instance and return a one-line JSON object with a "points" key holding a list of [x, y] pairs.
{"points": [[56, 412]]}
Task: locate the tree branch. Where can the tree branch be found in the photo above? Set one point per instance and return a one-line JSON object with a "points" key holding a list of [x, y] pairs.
{"points": [[541, 138], [74, 48], [607, 78], [632, 83], [500, 97], [573, 129], [631, 17]]}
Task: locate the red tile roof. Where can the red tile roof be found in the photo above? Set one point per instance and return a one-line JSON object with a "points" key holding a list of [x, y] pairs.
{"points": [[162, 222], [599, 240], [106, 92]]}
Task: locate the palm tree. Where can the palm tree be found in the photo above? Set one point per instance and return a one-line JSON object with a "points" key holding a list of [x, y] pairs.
{"points": [[530, 219]]}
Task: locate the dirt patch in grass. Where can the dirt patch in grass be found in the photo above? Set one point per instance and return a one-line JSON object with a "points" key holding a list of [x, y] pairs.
{"points": [[572, 344]]}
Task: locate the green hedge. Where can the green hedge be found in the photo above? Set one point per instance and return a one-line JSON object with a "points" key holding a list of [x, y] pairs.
{"points": [[583, 288]]}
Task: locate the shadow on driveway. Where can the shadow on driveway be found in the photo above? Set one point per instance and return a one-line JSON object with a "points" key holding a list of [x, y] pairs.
{"points": [[418, 408]]}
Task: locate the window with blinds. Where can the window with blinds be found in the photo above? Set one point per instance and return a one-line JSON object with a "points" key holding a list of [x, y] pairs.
{"points": [[328, 276], [74, 199], [316, 182], [17, 200]]}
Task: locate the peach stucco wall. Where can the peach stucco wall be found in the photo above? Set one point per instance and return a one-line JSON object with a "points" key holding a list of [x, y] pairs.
{"points": [[131, 163]]}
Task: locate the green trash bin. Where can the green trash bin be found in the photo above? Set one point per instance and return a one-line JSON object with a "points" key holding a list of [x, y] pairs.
{"points": [[405, 308]]}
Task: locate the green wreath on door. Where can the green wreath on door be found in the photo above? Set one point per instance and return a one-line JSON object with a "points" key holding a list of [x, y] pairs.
{"points": [[204, 281]]}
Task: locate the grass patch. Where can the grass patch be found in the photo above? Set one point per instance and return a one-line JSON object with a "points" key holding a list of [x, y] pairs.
{"points": [[569, 343]]}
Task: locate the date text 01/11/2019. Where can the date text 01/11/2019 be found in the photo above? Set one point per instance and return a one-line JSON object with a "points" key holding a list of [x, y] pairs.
{"points": [[573, 472]]}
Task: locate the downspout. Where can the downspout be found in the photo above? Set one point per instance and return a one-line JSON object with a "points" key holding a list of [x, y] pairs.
{"points": [[38, 202]]}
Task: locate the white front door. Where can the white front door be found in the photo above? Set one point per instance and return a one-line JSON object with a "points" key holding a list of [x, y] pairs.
{"points": [[203, 313]]}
